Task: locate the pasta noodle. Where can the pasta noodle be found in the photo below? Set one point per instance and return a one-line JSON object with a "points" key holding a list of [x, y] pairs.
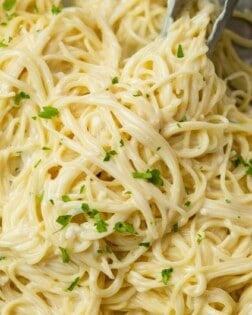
{"points": [[125, 161]]}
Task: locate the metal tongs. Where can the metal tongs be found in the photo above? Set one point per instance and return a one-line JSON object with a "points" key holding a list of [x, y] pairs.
{"points": [[175, 6]]}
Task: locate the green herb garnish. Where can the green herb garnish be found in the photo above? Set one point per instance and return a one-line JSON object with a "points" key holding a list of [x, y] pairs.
{"points": [[73, 284], [2, 257], [175, 227], [46, 148], [48, 112], [55, 10], [152, 176], [145, 244], [199, 238], [82, 189], [180, 52], [3, 44], [121, 143], [64, 255], [124, 227], [37, 164], [115, 80], [187, 203], [166, 275], [65, 198], [239, 161], [100, 224], [9, 4], [64, 220], [109, 154], [20, 96]]}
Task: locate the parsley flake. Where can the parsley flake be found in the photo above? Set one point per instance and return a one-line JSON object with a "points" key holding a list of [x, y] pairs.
{"points": [[2, 257], [145, 244], [73, 284], [48, 112], [187, 203], [124, 227], [64, 220], [65, 198], [121, 143], [20, 96], [115, 80], [90, 212], [82, 189], [239, 161], [175, 227], [3, 44], [46, 148], [55, 10], [199, 238], [9, 4], [100, 224], [166, 275], [64, 255], [152, 176], [109, 154], [180, 52], [37, 164]]}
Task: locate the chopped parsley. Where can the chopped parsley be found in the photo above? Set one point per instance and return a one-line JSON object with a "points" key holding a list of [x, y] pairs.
{"points": [[145, 244], [139, 93], [100, 224], [55, 10], [65, 198], [109, 155], [64, 220], [37, 164], [64, 255], [82, 189], [20, 96], [175, 227], [158, 148], [2, 257], [73, 284], [9, 4], [3, 44], [48, 112], [228, 200], [180, 52], [115, 80], [124, 227], [90, 212], [240, 161], [166, 275], [152, 176], [199, 238], [121, 143], [46, 148], [187, 203], [51, 201]]}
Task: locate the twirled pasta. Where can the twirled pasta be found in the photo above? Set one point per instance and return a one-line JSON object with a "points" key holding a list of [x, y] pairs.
{"points": [[125, 167]]}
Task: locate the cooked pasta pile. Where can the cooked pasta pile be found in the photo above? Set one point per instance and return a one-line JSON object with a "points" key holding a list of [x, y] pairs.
{"points": [[125, 162]]}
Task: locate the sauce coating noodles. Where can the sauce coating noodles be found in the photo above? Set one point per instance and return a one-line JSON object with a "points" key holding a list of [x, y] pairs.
{"points": [[125, 162]]}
